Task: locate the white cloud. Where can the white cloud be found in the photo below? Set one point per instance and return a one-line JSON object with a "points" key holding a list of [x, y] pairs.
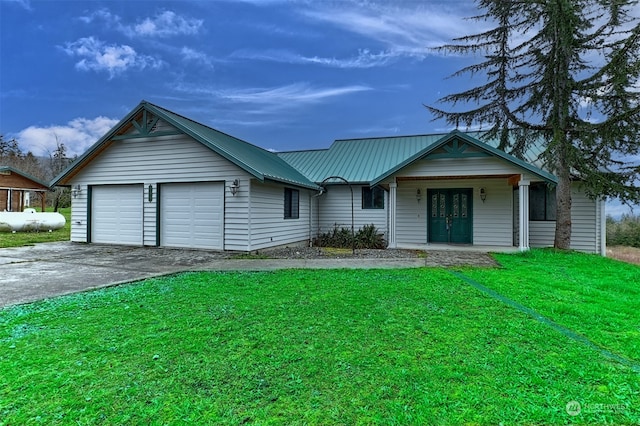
{"points": [[96, 55], [165, 24], [292, 93], [101, 15], [77, 135], [192, 55], [405, 28], [364, 59]]}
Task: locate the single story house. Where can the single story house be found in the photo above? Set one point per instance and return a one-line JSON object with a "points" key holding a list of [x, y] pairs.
{"points": [[160, 179], [15, 187]]}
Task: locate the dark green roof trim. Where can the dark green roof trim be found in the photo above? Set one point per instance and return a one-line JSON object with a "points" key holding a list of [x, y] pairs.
{"points": [[475, 142], [254, 160], [25, 175]]}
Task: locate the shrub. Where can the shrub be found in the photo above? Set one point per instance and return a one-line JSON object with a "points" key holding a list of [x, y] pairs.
{"points": [[337, 237], [367, 237], [624, 232]]}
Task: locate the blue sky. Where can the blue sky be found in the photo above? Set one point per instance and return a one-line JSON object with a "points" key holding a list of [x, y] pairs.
{"points": [[283, 75]]}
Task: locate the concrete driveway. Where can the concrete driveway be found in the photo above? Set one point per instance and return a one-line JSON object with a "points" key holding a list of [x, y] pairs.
{"points": [[53, 269]]}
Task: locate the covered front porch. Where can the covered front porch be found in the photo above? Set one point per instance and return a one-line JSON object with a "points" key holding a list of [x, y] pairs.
{"points": [[463, 213]]}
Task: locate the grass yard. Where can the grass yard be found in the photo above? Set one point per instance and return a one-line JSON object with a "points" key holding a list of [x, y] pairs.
{"points": [[18, 239], [415, 346]]}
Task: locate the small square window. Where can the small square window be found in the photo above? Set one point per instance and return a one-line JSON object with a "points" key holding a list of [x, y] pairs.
{"points": [[291, 203], [373, 198]]}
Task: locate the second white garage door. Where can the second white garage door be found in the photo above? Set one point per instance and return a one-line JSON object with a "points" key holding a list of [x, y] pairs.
{"points": [[191, 215]]}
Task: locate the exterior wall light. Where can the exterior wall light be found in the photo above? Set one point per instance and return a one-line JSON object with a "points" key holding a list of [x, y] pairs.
{"points": [[150, 193], [483, 194], [75, 191], [235, 185], [418, 194]]}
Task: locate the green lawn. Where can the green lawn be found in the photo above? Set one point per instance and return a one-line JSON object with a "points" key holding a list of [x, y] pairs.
{"points": [[415, 346], [8, 239]]}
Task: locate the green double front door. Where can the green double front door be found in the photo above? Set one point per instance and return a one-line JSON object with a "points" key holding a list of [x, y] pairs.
{"points": [[450, 215]]}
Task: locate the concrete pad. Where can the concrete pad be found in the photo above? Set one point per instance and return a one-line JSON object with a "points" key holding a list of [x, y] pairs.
{"points": [[47, 270]]}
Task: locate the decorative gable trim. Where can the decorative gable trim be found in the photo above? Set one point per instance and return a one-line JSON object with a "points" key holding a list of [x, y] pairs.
{"points": [[451, 145], [144, 126]]}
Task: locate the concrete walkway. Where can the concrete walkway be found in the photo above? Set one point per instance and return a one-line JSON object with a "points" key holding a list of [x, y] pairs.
{"points": [[52, 269]]}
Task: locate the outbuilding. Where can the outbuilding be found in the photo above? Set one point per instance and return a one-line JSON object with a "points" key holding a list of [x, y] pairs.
{"points": [[16, 187]]}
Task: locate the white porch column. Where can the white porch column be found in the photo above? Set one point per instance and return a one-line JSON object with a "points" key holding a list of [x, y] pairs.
{"points": [[523, 192], [603, 226], [393, 187]]}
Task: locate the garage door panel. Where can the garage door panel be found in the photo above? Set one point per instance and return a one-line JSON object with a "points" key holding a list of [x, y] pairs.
{"points": [[191, 215], [116, 214]]}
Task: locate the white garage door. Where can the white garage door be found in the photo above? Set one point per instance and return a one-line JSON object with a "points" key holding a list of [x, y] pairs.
{"points": [[116, 214], [191, 215]]}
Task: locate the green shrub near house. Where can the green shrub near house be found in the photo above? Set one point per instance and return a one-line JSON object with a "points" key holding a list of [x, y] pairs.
{"points": [[367, 237]]}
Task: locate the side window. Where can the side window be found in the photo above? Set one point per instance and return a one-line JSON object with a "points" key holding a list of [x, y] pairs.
{"points": [[542, 202], [373, 198], [291, 203]]}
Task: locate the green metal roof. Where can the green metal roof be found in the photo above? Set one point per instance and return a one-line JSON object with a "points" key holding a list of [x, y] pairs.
{"points": [[373, 159], [256, 161], [366, 161]]}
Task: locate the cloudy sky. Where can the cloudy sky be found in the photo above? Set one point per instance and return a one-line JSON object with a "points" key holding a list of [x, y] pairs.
{"points": [[283, 75]]}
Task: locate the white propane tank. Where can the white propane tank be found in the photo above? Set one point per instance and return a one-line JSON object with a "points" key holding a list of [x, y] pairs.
{"points": [[30, 220]]}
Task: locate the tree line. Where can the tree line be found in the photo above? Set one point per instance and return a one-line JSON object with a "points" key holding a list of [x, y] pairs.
{"points": [[44, 168]]}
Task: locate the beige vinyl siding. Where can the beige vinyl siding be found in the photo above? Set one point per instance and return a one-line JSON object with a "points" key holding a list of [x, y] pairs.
{"points": [[334, 209], [79, 216], [585, 222], [585, 225], [492, 220], [411, 214], [150, 161], [149, 209], [236, 214], [268, 226], [541, 233], [314, 217]]}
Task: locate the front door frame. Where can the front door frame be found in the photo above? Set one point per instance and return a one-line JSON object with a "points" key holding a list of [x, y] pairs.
{"points": [[448, 220]]}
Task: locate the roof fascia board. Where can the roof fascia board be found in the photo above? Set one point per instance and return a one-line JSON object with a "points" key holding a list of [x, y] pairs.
{"points": [[291, 183], [456, 133]]}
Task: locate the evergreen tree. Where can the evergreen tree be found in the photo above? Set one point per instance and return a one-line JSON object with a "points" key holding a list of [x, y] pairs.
{"points": [[564, 72]]}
